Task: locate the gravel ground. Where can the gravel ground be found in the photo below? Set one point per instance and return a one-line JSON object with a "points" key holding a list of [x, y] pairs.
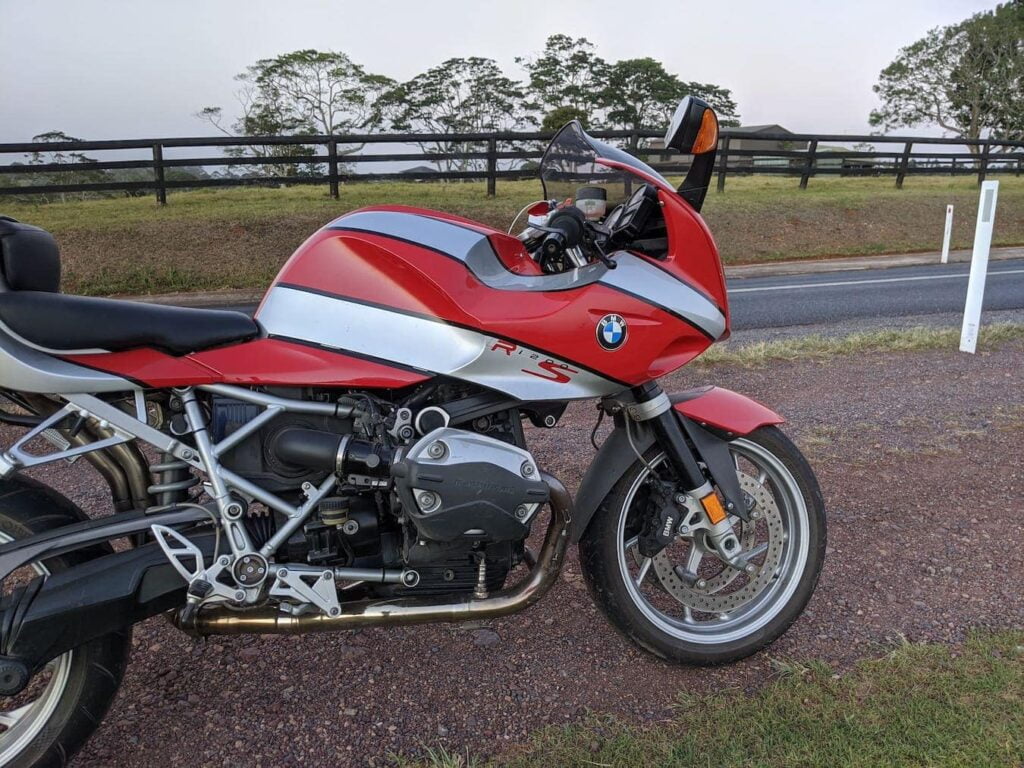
{"points": [[919, 459]]}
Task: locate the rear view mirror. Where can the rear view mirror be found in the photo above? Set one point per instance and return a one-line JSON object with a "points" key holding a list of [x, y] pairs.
{"points": [[694, 131]]}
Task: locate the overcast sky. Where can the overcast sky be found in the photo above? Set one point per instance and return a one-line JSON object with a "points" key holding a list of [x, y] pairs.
{"points": [[111, 69]]}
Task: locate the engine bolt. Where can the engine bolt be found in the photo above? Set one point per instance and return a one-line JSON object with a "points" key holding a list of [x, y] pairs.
{"points": [[427, 501], [350, 527], [522, 511], [328, 575], [239, 596], [435, 450], [335, 611], [681, 499], [186, 454], [527, 469]]}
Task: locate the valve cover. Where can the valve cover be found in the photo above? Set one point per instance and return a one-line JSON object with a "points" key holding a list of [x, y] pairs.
{"points": [[455, 483]]}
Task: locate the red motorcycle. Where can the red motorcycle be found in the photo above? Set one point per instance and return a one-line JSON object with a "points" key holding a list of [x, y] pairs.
{"points": [[355, 454]]}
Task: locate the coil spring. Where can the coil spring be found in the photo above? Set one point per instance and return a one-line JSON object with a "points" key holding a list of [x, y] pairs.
{"points": [[174, 479]]}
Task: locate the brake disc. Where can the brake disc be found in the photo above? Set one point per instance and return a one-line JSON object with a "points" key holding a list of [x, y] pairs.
{"points": [[712, 598]]}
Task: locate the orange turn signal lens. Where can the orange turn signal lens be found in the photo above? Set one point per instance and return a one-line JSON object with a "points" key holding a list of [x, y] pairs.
{"points": [[713, 506], [707, 135]]}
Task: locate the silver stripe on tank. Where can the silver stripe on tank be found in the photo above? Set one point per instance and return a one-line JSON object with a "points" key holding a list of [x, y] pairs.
{"points": [[633, 275], [428, 345]]}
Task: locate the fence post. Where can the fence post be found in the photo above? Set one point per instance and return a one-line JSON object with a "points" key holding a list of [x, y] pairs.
{"points": [[723, 160], [158, 174], [904, 162], [332, 167], [809, 164], [983, 165], [492, 167]]}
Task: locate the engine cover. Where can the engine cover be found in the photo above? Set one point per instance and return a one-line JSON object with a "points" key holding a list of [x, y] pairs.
{"points": [[456, 484]]}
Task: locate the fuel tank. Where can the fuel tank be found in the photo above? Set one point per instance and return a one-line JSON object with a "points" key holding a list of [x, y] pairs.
{"points": [[428, 293]]}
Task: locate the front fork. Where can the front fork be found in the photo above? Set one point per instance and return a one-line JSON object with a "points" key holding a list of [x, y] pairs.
{"points": [[707, 511]]}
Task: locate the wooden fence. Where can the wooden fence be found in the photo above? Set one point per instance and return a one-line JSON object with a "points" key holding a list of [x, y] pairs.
{"points": [[329, 160]]}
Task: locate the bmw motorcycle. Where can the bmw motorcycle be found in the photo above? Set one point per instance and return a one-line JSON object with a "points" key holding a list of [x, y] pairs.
{"points": [[354, 455]]}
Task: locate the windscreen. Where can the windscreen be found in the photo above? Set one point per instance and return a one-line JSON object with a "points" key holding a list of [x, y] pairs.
{"points": [[570, 163]]}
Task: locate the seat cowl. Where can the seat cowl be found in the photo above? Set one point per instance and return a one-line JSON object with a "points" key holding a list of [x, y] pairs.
{"points": [[72, 323]]}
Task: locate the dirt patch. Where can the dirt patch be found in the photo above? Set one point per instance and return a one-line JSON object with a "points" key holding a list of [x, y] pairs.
{"points": [[918, 457]]}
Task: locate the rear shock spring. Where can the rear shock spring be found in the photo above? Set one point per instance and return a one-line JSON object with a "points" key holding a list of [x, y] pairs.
{"points": [[174, 478]]}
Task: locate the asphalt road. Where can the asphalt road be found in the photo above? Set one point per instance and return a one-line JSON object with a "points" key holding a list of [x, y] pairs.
{"points": [[838, 297]]}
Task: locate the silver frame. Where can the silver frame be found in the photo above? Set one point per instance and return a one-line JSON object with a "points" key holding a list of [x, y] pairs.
{"points": [[221, 482]]}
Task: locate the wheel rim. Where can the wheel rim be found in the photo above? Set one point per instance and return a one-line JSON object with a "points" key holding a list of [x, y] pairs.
{"points": [[23, 722], [659, 593]]}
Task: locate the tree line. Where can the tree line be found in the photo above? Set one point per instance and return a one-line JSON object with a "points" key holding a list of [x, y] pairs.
{"points": [[325, 92], [967, 78]]}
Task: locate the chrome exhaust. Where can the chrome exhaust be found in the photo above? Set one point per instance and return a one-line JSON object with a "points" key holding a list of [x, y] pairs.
{"points": [[221, 620]]}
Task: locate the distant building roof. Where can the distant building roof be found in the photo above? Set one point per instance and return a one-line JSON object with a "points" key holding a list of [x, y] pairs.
{"points": [[773, 128], [420, 169]]}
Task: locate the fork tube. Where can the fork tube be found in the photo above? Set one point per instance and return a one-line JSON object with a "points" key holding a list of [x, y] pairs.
{"points": [[671, 438]]}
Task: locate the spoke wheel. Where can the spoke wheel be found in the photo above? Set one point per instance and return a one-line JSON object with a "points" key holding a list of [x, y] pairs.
{"points": [[686, 603], [44, 725], [22, 717]]}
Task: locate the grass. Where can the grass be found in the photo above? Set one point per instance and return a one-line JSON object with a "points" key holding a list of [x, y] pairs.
{"points": [[238, 238], [917, 338], [919, 705]]}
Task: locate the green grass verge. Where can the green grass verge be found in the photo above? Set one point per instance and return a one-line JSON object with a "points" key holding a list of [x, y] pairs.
{"points": [[238, 238], [917, 338], [919, 705]]}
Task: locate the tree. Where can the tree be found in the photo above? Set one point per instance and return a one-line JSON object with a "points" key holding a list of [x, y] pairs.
{"points": [[301, 93], [464, 95], [60, 157], [640, 93], [566, 76], [559, 116], [967, 78]]}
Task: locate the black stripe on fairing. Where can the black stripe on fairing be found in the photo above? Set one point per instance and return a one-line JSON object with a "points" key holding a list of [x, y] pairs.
{"points": [[452, 323], [357, 355]]}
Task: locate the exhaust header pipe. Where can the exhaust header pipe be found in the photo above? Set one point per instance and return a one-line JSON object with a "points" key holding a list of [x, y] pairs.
{"points": [[219, 620]]}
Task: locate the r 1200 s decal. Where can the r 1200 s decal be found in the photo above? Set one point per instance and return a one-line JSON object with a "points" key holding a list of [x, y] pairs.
{"points": [[427, 344], [540, 366]]}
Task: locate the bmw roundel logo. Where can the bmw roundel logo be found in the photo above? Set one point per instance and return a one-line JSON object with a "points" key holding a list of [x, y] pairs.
{"points": [[611, 332]]}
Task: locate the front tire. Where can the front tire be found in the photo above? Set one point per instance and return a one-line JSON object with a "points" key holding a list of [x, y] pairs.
{"points": [[47, 723], [687, 606]]}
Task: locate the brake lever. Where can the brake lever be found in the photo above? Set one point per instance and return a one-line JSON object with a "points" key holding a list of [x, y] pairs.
{"points": [[605, 259]]}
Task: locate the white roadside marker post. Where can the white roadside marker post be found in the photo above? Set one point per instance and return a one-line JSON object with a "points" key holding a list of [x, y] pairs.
{"points": [[979, 265], [947, 233]]}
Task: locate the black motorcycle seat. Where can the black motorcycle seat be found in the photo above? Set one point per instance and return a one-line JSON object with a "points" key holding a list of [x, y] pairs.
{"points": [[60, 322]]}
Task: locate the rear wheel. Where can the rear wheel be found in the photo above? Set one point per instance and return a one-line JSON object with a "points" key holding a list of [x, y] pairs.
{"points": [[686, 604], [48, 722]]}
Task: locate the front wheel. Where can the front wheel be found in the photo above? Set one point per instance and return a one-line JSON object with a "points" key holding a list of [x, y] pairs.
{"points": [[686, 604]]}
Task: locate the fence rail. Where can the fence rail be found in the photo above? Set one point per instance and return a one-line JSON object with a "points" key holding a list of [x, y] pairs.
{"points": [[478, 156]]}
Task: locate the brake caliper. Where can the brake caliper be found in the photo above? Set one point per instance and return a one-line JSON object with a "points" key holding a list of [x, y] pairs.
{"points": [[661, 520]]}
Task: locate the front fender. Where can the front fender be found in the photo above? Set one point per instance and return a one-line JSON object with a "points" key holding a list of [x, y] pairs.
{"points": [[711, 416]]}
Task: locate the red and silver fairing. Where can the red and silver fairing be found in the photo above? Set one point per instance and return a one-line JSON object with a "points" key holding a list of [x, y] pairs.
{"points": [[431, 294]]}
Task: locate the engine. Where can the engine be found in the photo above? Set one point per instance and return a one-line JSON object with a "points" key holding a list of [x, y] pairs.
{"points": [[437, 503]]}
